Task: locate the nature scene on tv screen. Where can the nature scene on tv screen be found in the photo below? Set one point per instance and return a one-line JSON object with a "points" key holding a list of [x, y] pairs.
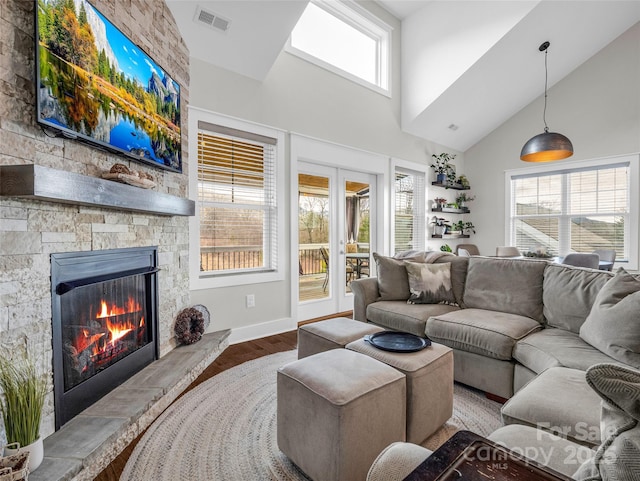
{"points": [[97, 83]]}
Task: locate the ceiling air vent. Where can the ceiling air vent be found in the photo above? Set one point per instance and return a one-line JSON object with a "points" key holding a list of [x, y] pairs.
{"points": [[211, 20]]}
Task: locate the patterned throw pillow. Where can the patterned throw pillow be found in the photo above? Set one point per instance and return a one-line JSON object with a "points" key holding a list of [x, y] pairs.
{"points": [[430, 283]]}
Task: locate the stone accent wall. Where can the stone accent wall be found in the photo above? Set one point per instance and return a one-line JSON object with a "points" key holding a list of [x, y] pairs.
{"points": [[31, 230]]}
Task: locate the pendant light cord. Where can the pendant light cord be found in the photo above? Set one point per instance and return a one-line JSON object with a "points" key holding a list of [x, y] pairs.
{"points": [[543, 48]]}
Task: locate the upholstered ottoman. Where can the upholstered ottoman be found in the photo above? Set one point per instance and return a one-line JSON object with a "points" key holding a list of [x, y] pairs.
{"points": [[559, 400], [337, 410], [331, 334], [429, 375]]}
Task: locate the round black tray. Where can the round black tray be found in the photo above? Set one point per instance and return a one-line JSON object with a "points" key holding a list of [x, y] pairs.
{"points": [[397, 341]]}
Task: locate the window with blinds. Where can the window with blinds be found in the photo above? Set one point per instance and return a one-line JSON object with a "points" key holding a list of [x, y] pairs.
{"points": [[409, 210], [572, 210], [236, 194]]}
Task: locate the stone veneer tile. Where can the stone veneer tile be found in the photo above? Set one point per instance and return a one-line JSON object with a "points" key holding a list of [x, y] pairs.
{"points": [[89, 442], [130, 402], [81, 437], [60, 469]]}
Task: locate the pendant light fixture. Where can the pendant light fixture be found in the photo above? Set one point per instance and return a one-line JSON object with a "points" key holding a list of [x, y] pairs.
{"points": [[547, 146]]}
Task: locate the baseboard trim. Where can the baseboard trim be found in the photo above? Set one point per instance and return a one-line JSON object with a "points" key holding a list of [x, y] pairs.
{"points": [[263, 329], [348, 314]]}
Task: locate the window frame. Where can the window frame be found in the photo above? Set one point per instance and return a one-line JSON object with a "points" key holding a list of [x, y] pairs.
{"points": [[631, 230], [422, 215], [361, 19], [207, 280]]}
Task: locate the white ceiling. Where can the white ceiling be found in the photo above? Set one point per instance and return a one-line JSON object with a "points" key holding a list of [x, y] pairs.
{"points": [[477, 88]]}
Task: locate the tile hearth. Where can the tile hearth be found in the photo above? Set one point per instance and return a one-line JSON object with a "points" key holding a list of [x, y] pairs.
{"points": [[84, 446]]}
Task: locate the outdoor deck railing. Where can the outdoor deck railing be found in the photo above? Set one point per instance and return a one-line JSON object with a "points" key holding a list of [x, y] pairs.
{"points": [[227, 258]]}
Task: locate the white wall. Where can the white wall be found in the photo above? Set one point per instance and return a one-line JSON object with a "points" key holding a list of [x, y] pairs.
{"points": [[300, 97], [597, 106]]}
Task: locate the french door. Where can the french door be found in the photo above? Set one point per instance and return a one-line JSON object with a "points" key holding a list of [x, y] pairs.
{"points": [[336, 236]]}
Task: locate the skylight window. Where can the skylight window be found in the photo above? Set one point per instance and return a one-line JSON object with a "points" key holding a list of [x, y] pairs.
{"points": [[344, 38]]}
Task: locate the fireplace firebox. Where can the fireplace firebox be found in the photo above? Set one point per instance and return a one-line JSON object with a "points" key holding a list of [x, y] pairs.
{"points": [[104, 322]]}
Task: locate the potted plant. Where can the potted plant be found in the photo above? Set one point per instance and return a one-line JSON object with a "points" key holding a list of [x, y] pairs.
{"points": [[457, 227], [445, 172], [21, 407], [463, 198], [445, 248], [468, 227], [440, 225], [440, 202], [463, 181]]}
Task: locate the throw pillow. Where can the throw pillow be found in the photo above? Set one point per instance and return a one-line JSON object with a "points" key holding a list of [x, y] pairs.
{"points": [[430, 283], [613, 325], [618, 457], [392, 277]]}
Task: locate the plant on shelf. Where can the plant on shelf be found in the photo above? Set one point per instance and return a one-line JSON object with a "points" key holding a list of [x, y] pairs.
{"points": [[440, 202], [445, 172], [22, 404], [463, 198], [445, 248], [463, 181], [440, 225], [468, 226], [458, 226]]}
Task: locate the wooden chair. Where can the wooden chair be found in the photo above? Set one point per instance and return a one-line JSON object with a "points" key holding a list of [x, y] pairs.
{"points": [[463, 252], [507, 251]]}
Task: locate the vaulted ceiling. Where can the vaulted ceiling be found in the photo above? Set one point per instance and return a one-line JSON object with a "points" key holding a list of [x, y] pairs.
{"points": [[471, 64]]}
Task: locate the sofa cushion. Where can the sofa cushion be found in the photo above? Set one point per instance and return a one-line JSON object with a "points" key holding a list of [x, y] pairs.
{"points": [[429, 283], [393, 284], [613, 325], [488, 333], [458, 273], [506, 285], [547, 449], [553, 347], [568, 294], [400, 316], [560, 401]]}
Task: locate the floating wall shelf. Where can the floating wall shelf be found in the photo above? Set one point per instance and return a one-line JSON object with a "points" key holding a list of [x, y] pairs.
{"points": [[451, 210], [450, 236], [451, 186], [43, 183]]}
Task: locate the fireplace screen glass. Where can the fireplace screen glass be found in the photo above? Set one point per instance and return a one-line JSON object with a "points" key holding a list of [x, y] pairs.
{"points": [[102, 323]]}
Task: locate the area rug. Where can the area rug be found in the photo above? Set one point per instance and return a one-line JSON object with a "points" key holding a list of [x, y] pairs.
{"points": [[225, 429]]}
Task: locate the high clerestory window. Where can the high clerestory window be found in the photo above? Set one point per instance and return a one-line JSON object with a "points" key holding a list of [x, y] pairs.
{"points": [[345, 39], [576, 208]]}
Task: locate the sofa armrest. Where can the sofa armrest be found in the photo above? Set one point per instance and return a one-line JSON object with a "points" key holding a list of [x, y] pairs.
{"points": [[397, 461], [365, 291]]}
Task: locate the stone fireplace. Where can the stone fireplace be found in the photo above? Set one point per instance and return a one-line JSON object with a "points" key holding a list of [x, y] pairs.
{"points": [[31, 229], [104, 323]]}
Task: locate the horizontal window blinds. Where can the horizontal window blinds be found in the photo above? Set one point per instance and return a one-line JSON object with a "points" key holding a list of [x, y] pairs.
{"points": [[236, 192], [572, 210], [409, 209]]}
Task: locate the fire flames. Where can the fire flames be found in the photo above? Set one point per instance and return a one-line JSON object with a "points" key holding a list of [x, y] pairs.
{"points": [[118, 322]]}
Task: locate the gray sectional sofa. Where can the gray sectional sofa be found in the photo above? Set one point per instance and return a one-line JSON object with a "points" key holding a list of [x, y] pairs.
{"points": [[511, 320], [530, 328]]}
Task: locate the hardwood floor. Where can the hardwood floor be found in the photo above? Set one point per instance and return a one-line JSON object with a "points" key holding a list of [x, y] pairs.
{"points": [[232, 356]]}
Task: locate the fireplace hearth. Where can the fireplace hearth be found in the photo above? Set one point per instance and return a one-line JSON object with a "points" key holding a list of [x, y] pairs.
{"points": [[104, 322]]}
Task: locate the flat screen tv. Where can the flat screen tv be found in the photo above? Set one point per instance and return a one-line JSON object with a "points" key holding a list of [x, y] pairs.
{"points": [[95, 84]]}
